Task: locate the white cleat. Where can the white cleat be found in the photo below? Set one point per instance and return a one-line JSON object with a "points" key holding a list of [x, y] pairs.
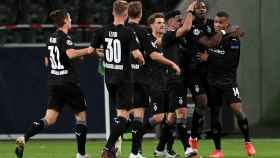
{"points": [[118, 147], [141, 155], [20, 141], [131, 155], [82, 156], [190, 152], [159, 153], [171, 154]]}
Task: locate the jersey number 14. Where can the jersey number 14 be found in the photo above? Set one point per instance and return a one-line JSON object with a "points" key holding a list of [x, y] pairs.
{"points": [[113, 50], [55, 58]]}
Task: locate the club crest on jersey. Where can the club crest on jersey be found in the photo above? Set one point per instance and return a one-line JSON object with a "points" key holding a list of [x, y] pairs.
{"points": [[155, 106], [196, 32], [69, 42]]}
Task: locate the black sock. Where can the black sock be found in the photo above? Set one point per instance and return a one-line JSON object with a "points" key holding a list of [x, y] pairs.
{"points": [[35, 128], [244, 127], [164, 136], [81, 136], [118, 127], [137, 126], [183, 132], [197, 124], [216, 135], [171, 138], [129, 123], [149, 125]]}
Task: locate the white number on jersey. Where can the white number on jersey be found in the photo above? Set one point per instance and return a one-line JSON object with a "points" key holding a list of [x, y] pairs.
{"points": [[55, 58], [236, 92], [113, 50]]}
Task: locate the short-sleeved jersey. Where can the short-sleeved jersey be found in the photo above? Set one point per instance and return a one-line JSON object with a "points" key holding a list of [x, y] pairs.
{"points": [[61, 68], [223, 63], [118, 42], [174, 49], [144, 38], [194, 47]]}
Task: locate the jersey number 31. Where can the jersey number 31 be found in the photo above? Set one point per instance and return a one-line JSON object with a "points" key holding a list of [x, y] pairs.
{"points": [[55, 58]]}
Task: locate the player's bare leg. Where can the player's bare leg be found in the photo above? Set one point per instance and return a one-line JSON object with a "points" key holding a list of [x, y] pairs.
{"points": [[35, 128], [244, 127]]}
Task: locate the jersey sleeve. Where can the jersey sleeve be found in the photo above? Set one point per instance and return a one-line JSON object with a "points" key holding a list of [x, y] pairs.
{"points": [[97, 38], [67, 43], [148, 44]]}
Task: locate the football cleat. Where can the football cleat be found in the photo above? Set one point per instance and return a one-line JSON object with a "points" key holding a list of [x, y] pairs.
{"points": [[159, 153], [190, 152], [194, 143], [250, 149], [108, 154], [171, 154], [82, 156], [20, 141], [217, 154]]}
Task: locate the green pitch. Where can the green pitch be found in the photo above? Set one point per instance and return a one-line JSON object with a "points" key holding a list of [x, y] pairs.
{"points": [[233, 148]]}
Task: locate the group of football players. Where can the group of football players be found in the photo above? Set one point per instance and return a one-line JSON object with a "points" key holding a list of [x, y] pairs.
{"points": [[150, 67]]}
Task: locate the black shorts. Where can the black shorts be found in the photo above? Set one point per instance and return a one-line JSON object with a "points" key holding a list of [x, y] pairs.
{"points": [[217, 93], [176, 93], [66, 94], [158, 100], [196, 83], [121, 95], [141, 95]]}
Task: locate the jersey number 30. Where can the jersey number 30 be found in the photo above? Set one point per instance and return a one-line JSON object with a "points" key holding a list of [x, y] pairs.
{"points": [[55, 58], [113, 50]]}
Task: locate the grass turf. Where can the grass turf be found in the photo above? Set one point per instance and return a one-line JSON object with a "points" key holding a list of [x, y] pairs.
{"points": [[233, 148]]}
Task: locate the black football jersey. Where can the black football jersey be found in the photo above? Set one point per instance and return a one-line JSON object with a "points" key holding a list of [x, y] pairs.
{"points": [[144, 38], [118, 42], [223, 63], [174, 49], [157, 71], [194, 47], [61, 68]]}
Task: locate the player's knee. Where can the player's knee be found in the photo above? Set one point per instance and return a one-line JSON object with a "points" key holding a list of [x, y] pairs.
{"points": [[158, 118], [50, 120], [181, 113], [81, 117]]}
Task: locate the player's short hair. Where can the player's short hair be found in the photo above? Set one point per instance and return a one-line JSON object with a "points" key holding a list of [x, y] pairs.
{"points": [[134, 9], [222, 14], [57, 17], [153, 17], [119, 7], [172, 14]]}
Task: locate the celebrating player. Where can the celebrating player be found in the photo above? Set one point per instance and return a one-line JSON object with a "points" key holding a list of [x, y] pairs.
{"points": [[223, 62], [63, 84]]}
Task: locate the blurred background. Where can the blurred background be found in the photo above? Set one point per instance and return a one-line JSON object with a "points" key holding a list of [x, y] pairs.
{"points": [[24, 26]]}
